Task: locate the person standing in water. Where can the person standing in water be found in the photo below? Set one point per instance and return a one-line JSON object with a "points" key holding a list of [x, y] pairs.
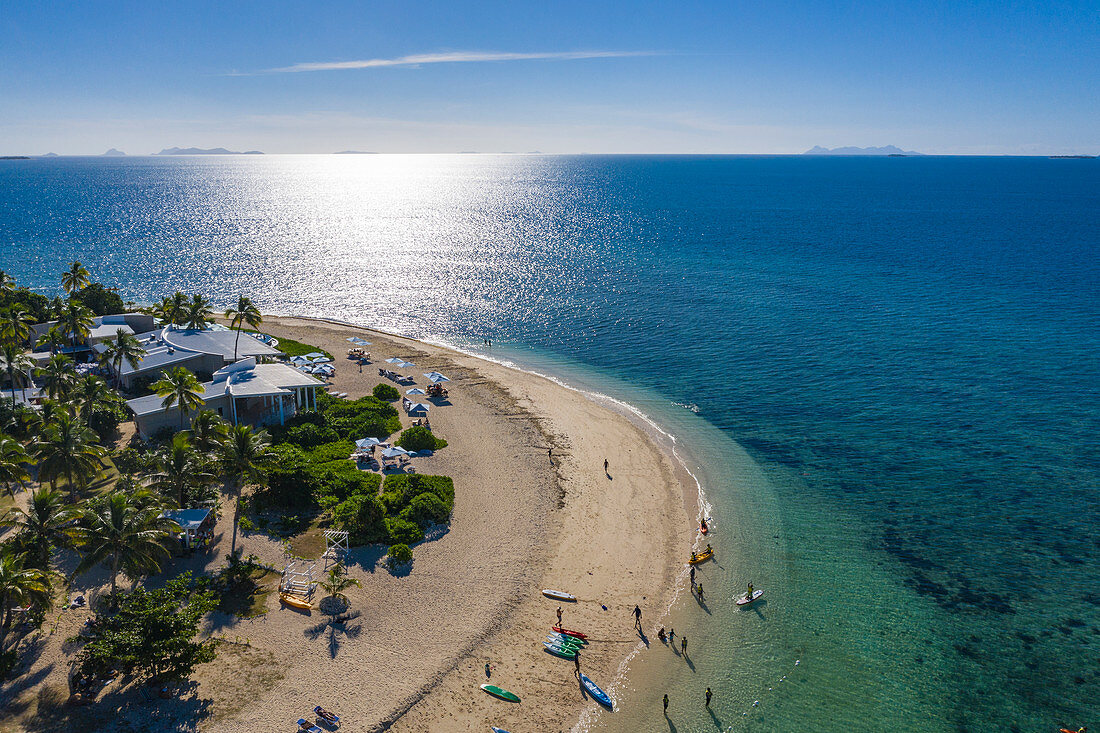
{"points": [[684, 645], [709, 693], [699, 590]]}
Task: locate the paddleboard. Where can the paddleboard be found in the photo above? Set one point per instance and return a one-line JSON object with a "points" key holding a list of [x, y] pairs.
{"points": [[563, 652], [559, 595], [745, 600], [567, 637], [569, 632], [501, 693], [295, 601], [594, 690], [701, 557]]}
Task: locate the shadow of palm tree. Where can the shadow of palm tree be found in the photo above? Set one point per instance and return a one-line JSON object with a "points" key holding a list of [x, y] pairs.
{"points": [[338, 630]]}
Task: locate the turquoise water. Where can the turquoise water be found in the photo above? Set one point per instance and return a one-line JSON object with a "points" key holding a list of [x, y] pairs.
{"points": [[894, 363]]}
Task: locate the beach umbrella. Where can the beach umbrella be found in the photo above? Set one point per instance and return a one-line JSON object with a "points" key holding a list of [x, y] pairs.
{"points": [[418, 407], [415, 390], [395, 360], [394, 452], [354, 339], [299, 360], [368, 442], [321, 360], [436, 378], [406, 365]]}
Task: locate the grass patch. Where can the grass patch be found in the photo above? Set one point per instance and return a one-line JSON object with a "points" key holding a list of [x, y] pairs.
{"points": [[309, 544], [290, 347], [103, 481], [247, 596]]}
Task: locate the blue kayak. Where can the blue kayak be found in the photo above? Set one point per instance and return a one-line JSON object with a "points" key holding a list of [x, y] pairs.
{"points": [[594, 690]]}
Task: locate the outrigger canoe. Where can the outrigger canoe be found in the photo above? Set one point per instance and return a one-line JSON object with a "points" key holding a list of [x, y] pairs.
{"points": [[295, 601], [501, 693], [745, 600], [569, 632], [702, 557], [559, 595]]}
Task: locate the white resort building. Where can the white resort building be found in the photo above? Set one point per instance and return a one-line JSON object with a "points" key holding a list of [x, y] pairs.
{"points": [[242, 393]]}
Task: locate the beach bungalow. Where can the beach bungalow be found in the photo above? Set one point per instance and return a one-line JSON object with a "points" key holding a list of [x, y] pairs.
{"points": [[196, 525], [244, 393], [202, 351]]}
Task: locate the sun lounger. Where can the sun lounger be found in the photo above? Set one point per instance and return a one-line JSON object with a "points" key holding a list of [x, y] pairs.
{"points": [[326, 715], [305, 725]]}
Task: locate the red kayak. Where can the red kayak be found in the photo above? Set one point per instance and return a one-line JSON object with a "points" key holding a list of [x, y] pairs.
{"points": [[569, 632]]}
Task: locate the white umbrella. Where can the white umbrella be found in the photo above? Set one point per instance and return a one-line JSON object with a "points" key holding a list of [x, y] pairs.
{"points": [[395, 360], [354, 339], [394, 452], [299, 360], [415, 390], [321, 360], [314, 355], [367, 442], [418, 407], [437, 377], [406, 365]]}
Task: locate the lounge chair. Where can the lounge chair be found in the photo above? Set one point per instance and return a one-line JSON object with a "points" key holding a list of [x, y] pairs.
{"points": [[326, 715], [305, 725]]}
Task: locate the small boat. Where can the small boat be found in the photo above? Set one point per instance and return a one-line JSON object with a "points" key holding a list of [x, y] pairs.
{"points": [[570, 639], [594, 690], [565, 641], [565, 652], [569, 632], [701, 557], [559, 595], [295, 601], [501, 693], [745, 600]]}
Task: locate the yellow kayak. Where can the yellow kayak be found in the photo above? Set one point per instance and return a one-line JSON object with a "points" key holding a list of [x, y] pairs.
{"points": [[702, 557], [295, 601]]}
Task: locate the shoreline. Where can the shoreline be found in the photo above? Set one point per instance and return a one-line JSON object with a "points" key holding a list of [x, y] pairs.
{"points": [[509, 638]]}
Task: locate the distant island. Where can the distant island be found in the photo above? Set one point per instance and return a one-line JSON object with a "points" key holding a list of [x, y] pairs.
{"points": [[355, 152], [205, 151], [15, 157], [113, 153], [50, 155], [888, 150]]}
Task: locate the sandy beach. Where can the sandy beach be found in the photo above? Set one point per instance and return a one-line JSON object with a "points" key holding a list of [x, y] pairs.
{"points": [[414, 654]]}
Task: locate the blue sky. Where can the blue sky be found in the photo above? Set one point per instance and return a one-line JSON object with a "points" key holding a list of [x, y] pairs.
{"points": [[722, 77]]}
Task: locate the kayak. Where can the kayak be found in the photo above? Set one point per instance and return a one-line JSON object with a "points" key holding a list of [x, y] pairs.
{"points": [[565, 641], [569, 632], [702, 557], [745, 600], [565, 652], [501, 693], [295, 601], [497, 730], [559, 595], [594, 690], [568, 638]]}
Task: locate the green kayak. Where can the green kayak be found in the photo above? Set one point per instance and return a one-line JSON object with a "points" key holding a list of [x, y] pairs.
{"points": [[501, 693]]}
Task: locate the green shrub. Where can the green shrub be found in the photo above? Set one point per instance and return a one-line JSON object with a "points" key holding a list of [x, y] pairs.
{"points": [[336, 451], [418, 438], [399, 554], [425, 510], [342, 479], [9, 659], [398, 490], [303, 417], [99, 300], [290, 480], [386, 393], [309, 435], [402, 530], [105, 420], [362, 517], [246, 524]]}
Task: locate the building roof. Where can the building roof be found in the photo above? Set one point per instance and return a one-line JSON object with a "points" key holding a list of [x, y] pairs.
{"points": [[187, 518], [152, 404], [217, 341], [108, 330]]}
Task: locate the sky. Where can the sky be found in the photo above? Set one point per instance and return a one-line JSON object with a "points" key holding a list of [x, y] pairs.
{"points": [[955, 77]]}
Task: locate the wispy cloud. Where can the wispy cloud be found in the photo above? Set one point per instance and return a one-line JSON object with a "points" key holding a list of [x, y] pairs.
{"points": [[457, 57]]}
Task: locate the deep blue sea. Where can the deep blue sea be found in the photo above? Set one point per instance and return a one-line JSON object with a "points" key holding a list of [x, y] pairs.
{"points": [[885, 371]]}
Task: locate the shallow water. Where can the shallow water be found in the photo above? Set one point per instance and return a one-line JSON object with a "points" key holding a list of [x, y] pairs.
{"points": [[894, 363]]}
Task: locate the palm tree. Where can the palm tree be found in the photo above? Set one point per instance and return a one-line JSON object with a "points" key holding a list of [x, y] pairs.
{"points": [[15, 326], [198, 313], [59, 376], [13, 463], [336, 581], [175, 308], [69, 448], [125, 348], [92, 393], [76, 322], [244, 454], [245, 312], [46, 522], [54, 339], [180, 387], [7, 282], [18, 365], [75, 278], [126, 531], [208, 430], [19, 586], [180, 470]]}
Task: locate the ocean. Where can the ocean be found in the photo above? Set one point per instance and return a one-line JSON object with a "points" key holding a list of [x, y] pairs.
{"points": [[883, 371]]}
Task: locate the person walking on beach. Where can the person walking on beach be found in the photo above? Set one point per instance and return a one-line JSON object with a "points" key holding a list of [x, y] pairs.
{"points": [[699, 590], [637, 618], [709, 693], [666, 704], [692, 576], [550, 453], [605, 465], [559, 617], [684, 645], [577, 662], [671, 635], [488, 671]]}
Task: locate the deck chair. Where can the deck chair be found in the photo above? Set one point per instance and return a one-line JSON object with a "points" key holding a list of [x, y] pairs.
{"points": [[305, 725]]}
